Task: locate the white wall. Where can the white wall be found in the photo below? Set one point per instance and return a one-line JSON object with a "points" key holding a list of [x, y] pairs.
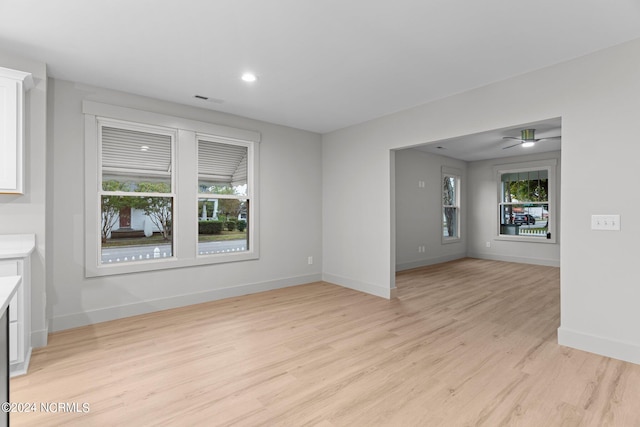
{"points": [[483, 211], [25, 214], [419, 209], [597, 98], [290, 222]]}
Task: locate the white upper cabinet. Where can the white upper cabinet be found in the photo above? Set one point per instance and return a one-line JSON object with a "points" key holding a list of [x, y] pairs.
{"points": [[13, 86]]}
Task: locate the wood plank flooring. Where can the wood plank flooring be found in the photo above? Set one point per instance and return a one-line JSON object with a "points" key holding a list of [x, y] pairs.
{"points": [[469, 342]]}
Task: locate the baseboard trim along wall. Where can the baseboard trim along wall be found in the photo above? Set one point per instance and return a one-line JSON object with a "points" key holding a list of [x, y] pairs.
{"points": [[21, 368], [427, 262], [356, 285], [39, 338], [68, 321], [522, 260], [599, 345]]}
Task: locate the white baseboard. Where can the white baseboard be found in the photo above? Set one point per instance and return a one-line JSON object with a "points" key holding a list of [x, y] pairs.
{"points": [[17, 369], [39, 338], [427, 262], [599, 345], [357, 285], [68, 321], [522, 260]]}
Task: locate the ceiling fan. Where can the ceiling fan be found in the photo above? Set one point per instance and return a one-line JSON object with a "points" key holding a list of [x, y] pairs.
{"points": [[527, 138]]}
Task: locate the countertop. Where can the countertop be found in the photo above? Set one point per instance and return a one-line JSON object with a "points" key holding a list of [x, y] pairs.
{"points": [[8, 287], [16, 245]]}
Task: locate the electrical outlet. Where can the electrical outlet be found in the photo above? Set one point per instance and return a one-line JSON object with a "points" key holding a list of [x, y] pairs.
{"points": [[605, 222], [488, 244], [310, 260]]}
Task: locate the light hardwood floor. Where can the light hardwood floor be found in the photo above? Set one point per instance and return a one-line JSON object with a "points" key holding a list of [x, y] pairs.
{"points": [[468, 342]]}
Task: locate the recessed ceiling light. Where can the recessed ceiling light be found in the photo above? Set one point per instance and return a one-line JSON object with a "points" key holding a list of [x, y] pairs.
{"points": [[249, 77], [144, 148]]}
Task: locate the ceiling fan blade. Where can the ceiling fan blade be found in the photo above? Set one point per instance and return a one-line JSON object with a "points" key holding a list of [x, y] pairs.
{"points": [[511, 146], [512, 137], [550, 137]]}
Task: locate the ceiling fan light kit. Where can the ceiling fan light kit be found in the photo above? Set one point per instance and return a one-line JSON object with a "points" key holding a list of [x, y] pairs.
{"points": [[527, 138], [528, 135]]}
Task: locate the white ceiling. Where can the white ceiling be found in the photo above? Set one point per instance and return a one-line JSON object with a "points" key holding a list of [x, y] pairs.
{"points": [[322, 64], [492, 145]]}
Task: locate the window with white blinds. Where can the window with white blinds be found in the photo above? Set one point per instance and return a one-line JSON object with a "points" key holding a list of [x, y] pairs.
{"points": [[166, 192], [224, 196], [136, 197]]}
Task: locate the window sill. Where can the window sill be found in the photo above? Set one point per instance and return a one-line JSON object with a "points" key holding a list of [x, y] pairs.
{"points": [[167, 263], [527, 239], [449, 240]]}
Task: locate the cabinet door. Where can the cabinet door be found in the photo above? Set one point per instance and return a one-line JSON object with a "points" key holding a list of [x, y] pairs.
{"points": [[13, 342], [14, 267], [10, 150], [13, 85], [9, 268], [13, 309]]}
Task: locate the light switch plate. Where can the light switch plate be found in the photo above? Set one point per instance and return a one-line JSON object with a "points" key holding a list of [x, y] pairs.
{"points": [[605, 222]]}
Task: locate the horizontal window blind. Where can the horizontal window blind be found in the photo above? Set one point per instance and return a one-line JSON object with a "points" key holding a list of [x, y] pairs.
{"points": [[222, 163], [135, 151]]}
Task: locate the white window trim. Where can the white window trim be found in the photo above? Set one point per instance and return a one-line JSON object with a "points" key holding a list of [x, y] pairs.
{"points": [[449, 171], [184, 188], [550, 165]]}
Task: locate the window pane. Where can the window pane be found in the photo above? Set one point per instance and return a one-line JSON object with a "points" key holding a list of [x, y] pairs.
{"points": [[137, 184], [222, 168], [136, 228], [449, 191], [530, 186], [525, 219], [450, 222], [209, 188], [223, 226], [132, 157]]}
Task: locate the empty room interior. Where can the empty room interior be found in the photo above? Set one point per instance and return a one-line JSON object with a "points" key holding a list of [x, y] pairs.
{"points": [[337, 214]]}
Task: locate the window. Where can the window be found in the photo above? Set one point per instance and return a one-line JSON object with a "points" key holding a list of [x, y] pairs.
{"points": [[450, 205], [526, 205], [136, 192], [165, 192], [223, 196]]}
